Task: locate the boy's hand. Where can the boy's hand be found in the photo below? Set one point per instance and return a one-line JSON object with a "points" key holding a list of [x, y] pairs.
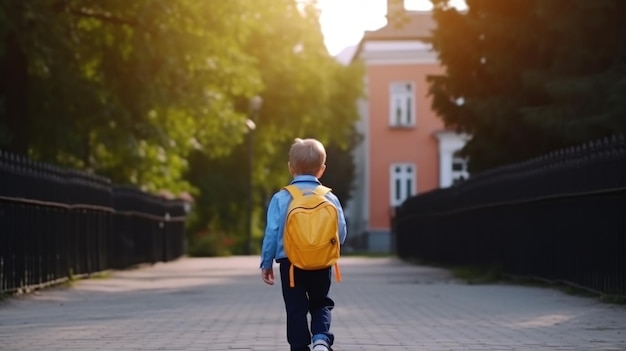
{"points": [[268, 276]]}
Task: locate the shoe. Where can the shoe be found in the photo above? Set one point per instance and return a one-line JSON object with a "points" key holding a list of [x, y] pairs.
{"points": [[321, 345]]}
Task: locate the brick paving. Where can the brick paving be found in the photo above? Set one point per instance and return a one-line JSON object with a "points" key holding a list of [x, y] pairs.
{"points": [[382, 304]]}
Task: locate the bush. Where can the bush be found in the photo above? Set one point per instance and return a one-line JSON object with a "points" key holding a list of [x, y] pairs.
{"points": [[210, 245]]}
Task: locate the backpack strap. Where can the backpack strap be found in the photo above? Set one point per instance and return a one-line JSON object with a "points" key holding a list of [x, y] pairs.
{"points": [[322, 190], [294, 191], [337, 272]]}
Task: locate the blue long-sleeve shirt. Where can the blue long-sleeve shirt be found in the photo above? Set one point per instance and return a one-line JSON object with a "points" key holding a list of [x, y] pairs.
{"points": [[276, 214]]}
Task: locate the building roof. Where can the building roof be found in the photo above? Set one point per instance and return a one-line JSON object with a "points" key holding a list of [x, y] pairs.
{"points": [[409, 25]]}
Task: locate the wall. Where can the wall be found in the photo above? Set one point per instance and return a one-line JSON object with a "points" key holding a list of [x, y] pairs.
{"points": [[389, 145]]}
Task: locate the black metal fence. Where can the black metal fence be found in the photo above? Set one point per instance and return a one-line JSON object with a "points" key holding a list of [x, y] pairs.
{"points": [[56, 224], [559, 217]]}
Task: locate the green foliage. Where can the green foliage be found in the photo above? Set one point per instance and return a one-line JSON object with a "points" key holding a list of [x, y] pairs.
{"points": [[125, 89], [211, 245], [340, 168], [306, 93], [155, 93], [533, 75]]}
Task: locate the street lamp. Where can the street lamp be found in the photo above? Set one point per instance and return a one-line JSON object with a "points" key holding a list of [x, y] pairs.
{"points": [[255, 106]]}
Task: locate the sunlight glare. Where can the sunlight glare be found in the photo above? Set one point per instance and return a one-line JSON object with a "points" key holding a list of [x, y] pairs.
{"points": [[426, 5], [344, 21]]}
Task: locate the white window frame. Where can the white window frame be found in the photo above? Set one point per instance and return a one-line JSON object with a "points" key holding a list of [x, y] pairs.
{"points": [[402, 104], [461, 174], [403, 183]]}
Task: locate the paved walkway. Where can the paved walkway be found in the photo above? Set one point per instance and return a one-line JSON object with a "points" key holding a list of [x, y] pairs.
{"points": [[383, 304]]}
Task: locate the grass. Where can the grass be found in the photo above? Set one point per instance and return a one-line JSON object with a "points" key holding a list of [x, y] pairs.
{"points": [[366, 254], [72, 278], [617, 300], [478, 274], [100, 275]]}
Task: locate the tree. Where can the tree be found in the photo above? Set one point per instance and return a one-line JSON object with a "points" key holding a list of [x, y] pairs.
{"points": [[155, 93], [525, 77], [125, 89], [306, 93]]}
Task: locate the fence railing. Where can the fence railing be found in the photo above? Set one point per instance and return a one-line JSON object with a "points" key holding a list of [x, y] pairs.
{"points": [[560, 217], [56, 224]]}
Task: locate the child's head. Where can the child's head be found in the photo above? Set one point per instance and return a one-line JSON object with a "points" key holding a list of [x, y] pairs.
{"points": [[307, 156]]}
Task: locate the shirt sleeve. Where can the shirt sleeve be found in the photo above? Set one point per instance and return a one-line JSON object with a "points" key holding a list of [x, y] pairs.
{"points": [[343, 231], [270, 239]]}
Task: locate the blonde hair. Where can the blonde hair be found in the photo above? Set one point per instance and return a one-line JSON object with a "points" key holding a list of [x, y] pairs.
{"points": [[307, 156]]}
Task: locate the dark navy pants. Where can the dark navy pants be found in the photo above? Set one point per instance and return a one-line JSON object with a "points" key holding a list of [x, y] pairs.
{"points": [[310, 295]]}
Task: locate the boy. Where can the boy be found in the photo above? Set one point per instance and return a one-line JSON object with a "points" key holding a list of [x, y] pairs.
{"points": [[307, 163]]}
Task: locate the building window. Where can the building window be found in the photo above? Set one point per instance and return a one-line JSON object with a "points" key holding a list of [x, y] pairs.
{"points": [[459, 168], [403, 184], [402, 104]]}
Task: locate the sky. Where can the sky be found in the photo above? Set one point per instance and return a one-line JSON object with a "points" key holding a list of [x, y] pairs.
{"points": [[344, 21]]}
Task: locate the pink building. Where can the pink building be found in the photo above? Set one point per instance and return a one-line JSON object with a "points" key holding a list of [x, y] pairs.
{"points": [[406, 149]]}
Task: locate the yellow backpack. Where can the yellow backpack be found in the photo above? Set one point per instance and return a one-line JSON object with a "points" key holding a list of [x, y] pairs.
{"points": [[311, 235]]}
